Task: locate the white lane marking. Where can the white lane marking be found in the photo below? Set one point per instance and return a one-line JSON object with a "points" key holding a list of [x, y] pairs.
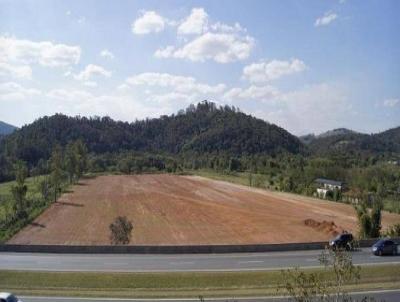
{"points": [[181, 263], [194, 299], [252, 261]]}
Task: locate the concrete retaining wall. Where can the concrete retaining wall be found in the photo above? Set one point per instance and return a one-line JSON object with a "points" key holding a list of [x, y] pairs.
{"points": [[179, 249]]}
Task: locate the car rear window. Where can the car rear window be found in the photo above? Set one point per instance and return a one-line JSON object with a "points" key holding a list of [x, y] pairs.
{"points": [[12, 298]]}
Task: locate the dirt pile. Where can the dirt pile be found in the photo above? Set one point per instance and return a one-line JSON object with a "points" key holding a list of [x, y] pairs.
{"points": [[327, 227]]}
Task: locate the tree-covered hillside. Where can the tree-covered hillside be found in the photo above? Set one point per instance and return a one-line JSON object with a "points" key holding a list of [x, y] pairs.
{"points": [[200, 129], [6, 128], [354, 143]]}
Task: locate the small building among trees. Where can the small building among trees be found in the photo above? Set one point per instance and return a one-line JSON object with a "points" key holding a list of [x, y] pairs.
{"points": [[328, 188]]}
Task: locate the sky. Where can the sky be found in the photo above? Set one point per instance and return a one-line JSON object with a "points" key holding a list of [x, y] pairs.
{"points": [[308, 66]]}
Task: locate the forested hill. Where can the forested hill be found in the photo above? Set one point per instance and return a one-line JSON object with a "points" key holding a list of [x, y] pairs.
{"points": [[204, 128], [349, 142], [6, 128]]}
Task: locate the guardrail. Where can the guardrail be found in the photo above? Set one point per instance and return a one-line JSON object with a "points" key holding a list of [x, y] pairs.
{"points": [[166, 249]]}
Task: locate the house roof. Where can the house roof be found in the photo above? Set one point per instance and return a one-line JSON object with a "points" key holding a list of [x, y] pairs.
{"points": [[329, 181]]}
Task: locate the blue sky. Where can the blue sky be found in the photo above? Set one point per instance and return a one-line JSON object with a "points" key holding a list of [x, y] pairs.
{"points": [[308, 66]]}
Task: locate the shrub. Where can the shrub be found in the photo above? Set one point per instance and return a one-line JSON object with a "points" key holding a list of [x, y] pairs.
{"points": [[121, 230]]}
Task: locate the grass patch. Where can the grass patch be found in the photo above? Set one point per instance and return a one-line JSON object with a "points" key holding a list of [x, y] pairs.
{"points": [[241, 178], [34, 201], [185, 284]]}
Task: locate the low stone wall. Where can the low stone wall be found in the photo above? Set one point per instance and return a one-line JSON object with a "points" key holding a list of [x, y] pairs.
{"points": [[177, 249]]}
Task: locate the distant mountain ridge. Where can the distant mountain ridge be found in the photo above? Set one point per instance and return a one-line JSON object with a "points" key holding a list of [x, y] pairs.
{"points": [[6, 128], [308, 138], [350, 142]]}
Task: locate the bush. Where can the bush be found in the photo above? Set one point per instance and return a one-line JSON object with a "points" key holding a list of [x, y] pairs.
{"points": [[121, 230], [393, 231]]}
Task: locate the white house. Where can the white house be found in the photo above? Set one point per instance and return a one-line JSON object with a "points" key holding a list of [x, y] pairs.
{"points": [[325, 185]]}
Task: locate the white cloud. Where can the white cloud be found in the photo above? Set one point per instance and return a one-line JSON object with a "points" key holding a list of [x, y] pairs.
{"points": [[326, 19], [166, 52], [45, 53], [70, 95], [14, 91], [222, 27], [260, 93], [275, 69], [92, 70], [15, 71], [195, 23], [90, 83], [391, 102], [177, 83], [218, 41], [82, 20], [149, 22], [312, 109], [105, 53], [220, 47], [173, 98]]}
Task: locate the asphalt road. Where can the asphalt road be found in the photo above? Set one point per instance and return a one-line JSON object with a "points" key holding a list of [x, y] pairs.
{"points": [[388, 296], [171, 263]]}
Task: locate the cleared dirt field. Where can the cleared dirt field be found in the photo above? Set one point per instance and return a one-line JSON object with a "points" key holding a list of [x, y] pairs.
{"points": [[180, 210]]}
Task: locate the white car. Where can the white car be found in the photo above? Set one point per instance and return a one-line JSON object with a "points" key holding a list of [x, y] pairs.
{"points": [[7, 297]]}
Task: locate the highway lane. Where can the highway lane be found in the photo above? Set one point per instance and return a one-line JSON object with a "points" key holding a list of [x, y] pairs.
{"points": [[386, 295], [171, 263]]}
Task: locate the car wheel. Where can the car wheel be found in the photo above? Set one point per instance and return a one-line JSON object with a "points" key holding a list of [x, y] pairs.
{"points": [[380, 253]]}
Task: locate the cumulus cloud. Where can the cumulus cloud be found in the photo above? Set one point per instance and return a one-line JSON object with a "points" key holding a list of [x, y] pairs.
{"points": [[391, 102], [177, 83], [195, 23], [92, 70], [13, 91], [275, 69], [45, 53], [220, 47], [15, 71], [90, 84], [149, 22], [70, 95], [105, 53], [311, 109], [326, 19], [222, 27], [166, 52], [260, 93], [218, 41]]}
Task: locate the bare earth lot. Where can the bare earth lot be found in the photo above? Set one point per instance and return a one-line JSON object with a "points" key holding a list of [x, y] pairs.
{"points": [[180, 210]]}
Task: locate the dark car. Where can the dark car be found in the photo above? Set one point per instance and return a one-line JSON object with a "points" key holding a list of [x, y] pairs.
{"points": [[342, 241], [385, 247]]}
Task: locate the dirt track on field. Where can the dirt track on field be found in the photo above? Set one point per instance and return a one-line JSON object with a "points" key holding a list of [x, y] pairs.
{"points": [[179, 210]]}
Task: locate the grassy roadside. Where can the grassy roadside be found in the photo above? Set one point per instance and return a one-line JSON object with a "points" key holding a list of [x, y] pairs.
{"points": [[167, 285]]}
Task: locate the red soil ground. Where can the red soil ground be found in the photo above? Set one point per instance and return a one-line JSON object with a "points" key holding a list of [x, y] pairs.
{"points": [[179, 210]]}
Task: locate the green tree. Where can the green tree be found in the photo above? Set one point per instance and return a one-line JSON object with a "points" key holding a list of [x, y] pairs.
{"points": [[370, 220], [70, 161], [20, 189], [376, 218], [80, 151], [56, 174]]}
